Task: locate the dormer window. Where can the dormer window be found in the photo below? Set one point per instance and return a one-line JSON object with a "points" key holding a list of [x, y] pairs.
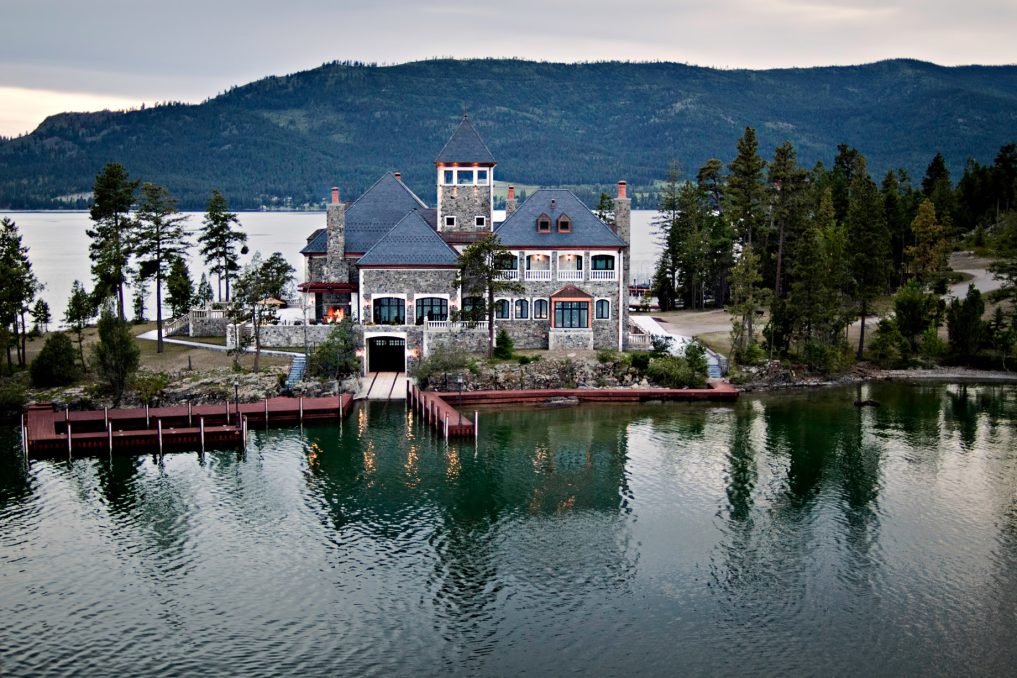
{"points": [[543, 224], [564, 224]]}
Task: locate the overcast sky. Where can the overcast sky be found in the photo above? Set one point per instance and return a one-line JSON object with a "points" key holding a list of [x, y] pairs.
{"points": [[59, 55]]}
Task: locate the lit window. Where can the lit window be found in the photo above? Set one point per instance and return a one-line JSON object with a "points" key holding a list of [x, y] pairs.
{"points": [[522, 309], [431, 308], [540, 309], [501, 309], [450, 222], [564, 224], [603, 309], [465, 177], [481, 221], [450, 177], [543, 224], [572, 314]]}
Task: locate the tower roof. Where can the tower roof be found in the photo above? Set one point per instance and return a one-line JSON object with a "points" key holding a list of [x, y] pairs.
{"points": [[466, 146]]}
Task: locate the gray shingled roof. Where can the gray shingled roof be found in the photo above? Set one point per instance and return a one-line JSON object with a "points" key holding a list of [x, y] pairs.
{"points": [[317, 243], [412, 242], [380, 208], [520, 228], [465, 145]]}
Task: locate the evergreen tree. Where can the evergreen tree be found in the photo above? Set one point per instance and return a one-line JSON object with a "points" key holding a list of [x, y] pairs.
{"points": [[666, 224], [1004, 268], [160, 239], [937, 187], [480, 276], [747, 300], [789, 198], [605, 209], [928, 257], [55, 365], [964, 325], [109, 250], [812, 294], [840, 180], [179, 288], [219, 239], [896, 224], [80, 310], [869, 242], [204, 294], [41, 315], [18, 287], [259, 280], [116, 355], [277, 276], [710, 179], [745, 194], [336, 357], [140, 298]]}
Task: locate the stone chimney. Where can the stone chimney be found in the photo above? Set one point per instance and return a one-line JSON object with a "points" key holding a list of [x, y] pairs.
{"points": [[510, 201], [336, 268], [623, 213]]}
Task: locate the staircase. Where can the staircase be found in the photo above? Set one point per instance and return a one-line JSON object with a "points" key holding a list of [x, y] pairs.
{"points": [[297, 368], [716, 365]]}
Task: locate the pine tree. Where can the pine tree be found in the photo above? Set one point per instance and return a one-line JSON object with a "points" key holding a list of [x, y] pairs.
{"points": [[219, 239], [179, 288], [869, 243], [110, 247], [204, 294], [605, 209], [665, 278], [745, 195], [480, 276], [80, 310], [18, 287], [928, 257], [937, 187], [747, 300], [41, 315], [116, 355], [160, 238]]}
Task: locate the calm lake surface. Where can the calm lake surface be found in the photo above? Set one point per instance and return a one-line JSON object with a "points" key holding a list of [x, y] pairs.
{"points": [[58, 246], [790, 535]]}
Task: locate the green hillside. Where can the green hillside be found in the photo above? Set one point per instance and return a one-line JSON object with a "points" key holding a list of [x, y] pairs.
{"points": [[291, 137]]}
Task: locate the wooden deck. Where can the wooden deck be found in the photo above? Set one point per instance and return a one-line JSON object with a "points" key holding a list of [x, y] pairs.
{"points": [[48, 432]]}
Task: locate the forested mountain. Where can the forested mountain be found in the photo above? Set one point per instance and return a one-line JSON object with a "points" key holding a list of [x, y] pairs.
{"points": [[289, 138]]}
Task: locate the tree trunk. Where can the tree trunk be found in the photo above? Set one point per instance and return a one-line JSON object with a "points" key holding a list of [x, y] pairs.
{"points": [[490, 320], [780, 260], [257, 339], [219, 285], [861, 336], [226, 268], [24, 355]]}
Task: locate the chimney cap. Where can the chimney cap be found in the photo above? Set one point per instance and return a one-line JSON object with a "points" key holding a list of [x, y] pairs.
{"points": [[335, 195], [622, 186]]}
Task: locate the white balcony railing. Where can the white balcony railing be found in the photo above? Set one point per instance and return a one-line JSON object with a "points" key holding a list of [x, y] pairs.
{"points": [[455, 326], [538, 275], [507, 275], [569, 275], [602, 275]]}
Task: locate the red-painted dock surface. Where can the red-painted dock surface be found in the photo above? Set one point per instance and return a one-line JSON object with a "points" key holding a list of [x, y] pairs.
{"points": [[51, 432], [719, 391], [439, 414]]}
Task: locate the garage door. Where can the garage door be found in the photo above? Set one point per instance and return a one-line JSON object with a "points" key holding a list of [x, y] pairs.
{"points": [[386, 354]]}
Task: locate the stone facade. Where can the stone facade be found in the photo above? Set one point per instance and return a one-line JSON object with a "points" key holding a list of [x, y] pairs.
{"points": [[208, 327], [465, 203], [410, 283], [279, 336], [469, 341], [570, 340]]}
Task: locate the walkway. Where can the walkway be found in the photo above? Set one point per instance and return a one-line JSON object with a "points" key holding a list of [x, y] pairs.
{"points": [[679, 341], [153, 335], [383, 386]]}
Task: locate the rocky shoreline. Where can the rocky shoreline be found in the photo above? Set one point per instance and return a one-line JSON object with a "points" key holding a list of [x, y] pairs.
{"points": [[778, 378]]}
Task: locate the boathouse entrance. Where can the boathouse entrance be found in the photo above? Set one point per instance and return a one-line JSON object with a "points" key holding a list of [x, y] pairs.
{"points": [[386, 354]]}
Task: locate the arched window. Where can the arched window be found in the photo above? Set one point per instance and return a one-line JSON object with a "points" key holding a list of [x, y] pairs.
{"points": [[389, 311], [522, 309], [501, 309], [564, 224], [540, 309], [603, 309], [431, 308]]}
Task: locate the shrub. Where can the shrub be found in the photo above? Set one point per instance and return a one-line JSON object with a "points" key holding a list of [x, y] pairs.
{"points": [[638, 361], [695, 356], [821, 357], [752, 355], [336, 357], [55, 365], [888, 347], [675, 372], [524, 359], [150, 386], [441, 360], [504, 345], [661, 344], [116, 355], [606, 356]]}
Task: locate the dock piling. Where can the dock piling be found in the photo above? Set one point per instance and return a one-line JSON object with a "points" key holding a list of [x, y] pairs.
{"points": [[148, 423], [158, 426], [476, 426], [301, 410], [188, 412], [105, 415], [109, 437], [69, 439], [201, 432], [227, 412]]}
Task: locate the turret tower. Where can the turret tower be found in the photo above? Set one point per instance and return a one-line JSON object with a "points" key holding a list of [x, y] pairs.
{"points": [[465, 182]]}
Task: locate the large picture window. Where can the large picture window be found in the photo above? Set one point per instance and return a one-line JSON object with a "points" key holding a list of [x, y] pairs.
{"points": [[389, 311], [540, 309], [431, 308], [572, 314]]}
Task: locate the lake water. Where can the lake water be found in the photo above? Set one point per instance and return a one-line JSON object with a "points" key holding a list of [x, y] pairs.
{"points": [[59, 247], [790, 535]]}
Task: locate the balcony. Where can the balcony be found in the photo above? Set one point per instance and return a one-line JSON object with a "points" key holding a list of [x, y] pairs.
{"points": [[538, 275], [603, 275], [455, 326], [569, 275], [507, 275]]}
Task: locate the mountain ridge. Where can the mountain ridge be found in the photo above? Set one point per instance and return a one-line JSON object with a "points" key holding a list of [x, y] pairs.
{"points": [[586, 125]]}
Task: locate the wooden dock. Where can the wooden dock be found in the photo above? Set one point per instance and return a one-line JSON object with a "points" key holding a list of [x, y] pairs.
{"points": [[718, 391], [431, 406], [47, 432]]}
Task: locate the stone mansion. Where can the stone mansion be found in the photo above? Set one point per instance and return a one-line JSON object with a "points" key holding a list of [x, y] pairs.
{"points": [[389, 261]]}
